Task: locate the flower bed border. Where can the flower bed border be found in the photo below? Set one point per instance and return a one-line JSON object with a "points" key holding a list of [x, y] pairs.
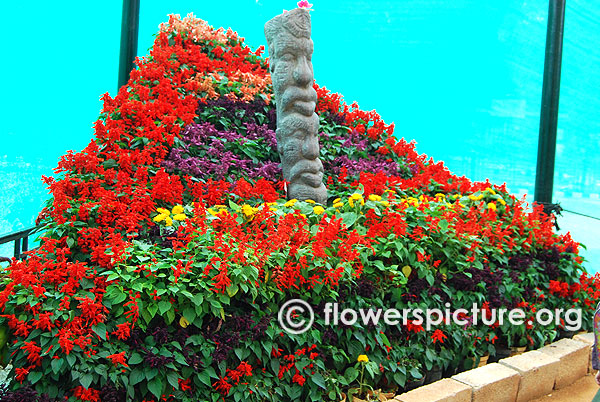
{"points": [[525, 377]]}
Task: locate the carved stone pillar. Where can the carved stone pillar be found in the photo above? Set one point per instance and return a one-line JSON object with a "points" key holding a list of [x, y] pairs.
{"points": [[290, 53]]}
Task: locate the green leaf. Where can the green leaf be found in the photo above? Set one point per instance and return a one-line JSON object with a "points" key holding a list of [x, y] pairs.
{"points": [[56, 365], [173, 379], [349, 218], [275, 366], [136, 376], [318, 379], [100, 330], [416, 373], [189, 314], [351, 374], [204, 377], [34, 376], [164, 306], [86, 380], [400, 378], [135, 358], [198, 299], [170, 316], [155, 386], [152, 309]]}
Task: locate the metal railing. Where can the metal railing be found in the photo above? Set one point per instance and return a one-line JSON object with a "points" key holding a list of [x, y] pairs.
{"points": [[21, 242]]}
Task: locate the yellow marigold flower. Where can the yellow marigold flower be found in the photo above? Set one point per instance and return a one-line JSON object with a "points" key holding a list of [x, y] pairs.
{"points": [[220, 206], [491, 206], [374, 197], [290, 203], [160, 218], [490, 190], [212, 212], [318, 210], [248, 211], [362, 359], [501, 201], [385, 203], [440, 195], [338, 204], [351, 202], [168, 221], [356, 196], [337, 200], [177, 209], [163, 211], [310, 201], [413, 201], [179, 217]]}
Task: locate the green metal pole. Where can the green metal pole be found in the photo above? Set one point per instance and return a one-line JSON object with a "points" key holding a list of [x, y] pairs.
{"points": [[129, 39], [544, 179]]}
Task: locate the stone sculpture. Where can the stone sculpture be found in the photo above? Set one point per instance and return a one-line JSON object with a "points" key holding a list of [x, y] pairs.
{"points": [[290, 53]]}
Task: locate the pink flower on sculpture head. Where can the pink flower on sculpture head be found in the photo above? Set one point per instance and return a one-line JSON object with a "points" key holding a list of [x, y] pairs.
{"points": [[304, 4]]}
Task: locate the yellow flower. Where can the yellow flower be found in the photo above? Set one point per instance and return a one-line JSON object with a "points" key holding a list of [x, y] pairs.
{"points": [[168, 221], [440, 195], [351, 202], [501, 201], [374, 197], [177, 209], [179, 217], [160, 218], [362, 359], [318, 210], [491, 206], [248, 211], [337, 200], [385, 203], [290, 203], [212, 212], [490, 190], [338, 204], [356, 196], [310, 201], [163, 211]]}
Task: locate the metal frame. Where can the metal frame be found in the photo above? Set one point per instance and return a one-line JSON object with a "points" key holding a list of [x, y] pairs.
{"points": [[544, 178], [130, 22], [21, 240]]}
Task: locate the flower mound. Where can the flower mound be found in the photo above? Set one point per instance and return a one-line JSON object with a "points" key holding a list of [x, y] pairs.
{"points": [[168, 247]]}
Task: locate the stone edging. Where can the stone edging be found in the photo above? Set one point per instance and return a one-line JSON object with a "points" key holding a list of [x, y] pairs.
{"points": [[519, 378]]}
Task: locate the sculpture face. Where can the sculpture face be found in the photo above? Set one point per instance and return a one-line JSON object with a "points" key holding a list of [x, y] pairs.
{"points": [[290, 48]]}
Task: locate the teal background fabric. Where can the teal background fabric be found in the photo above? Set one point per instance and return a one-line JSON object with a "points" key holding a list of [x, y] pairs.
{"points": [[463, 78]]}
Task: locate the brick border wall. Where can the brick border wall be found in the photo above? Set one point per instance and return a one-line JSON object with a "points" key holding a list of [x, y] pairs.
{"points": [[519, 378]]}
